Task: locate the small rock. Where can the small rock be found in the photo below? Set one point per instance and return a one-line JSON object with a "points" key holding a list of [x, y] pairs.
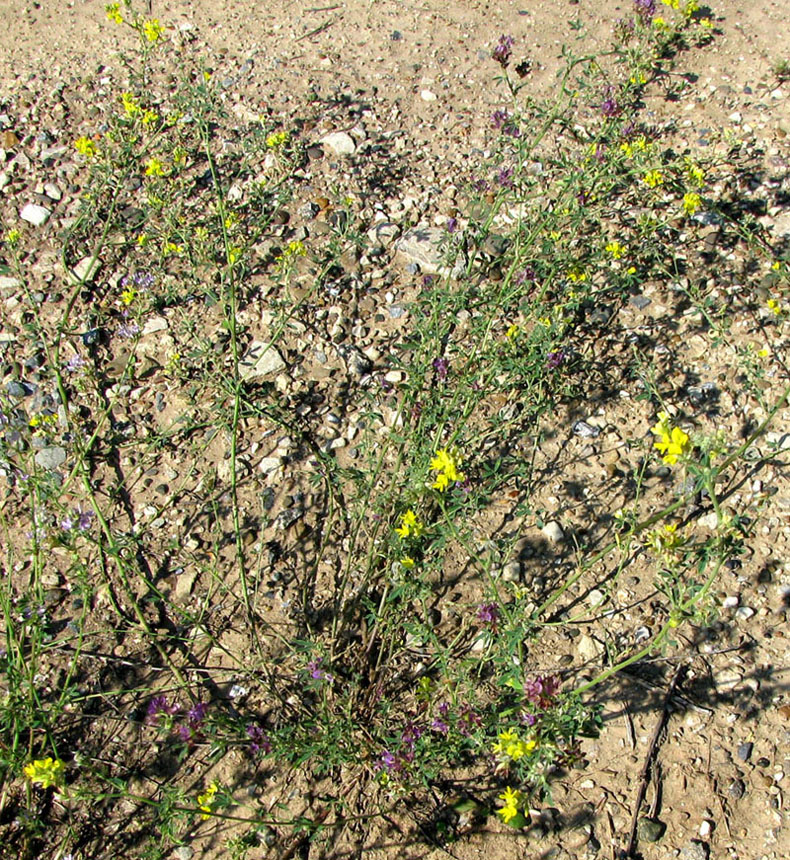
{"points": [[744, 613], [705, 828], [185, 584], [736, 789], [35, 215], [428, 96], [585, 430], [260, 359], [553, 532], [383, 233], [359, 364], [183, 852], [269, 465], [650, 829], [154, 325], [52, 191], [695, 850], [596, 597], [745, 751], [511, 572], [51, 457], [9, 284], [420, 247], [589, 648], [339, 143], [85, 270]]}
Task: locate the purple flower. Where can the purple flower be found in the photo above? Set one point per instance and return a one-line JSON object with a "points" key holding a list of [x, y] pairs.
{"points": [[526, 274], [160, 707], [67, 524], [512, 130], [196, 714], [468, 721], [488, 613], [444, 709], [440, 726], [389, 762], [441, 366], [556, 359], [645, 9], [452, 225], [411, 734], [84, 520], [128, 330], [317, 673], [498, 119], [505, 177], [542, 690], [609, 106], [259, 740], [75, 363], [528, 719], [503, 51]]}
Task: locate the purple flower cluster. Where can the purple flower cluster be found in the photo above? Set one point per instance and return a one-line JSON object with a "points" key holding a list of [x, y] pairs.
{"points": [[317, 673], [488, 613], [609, 106], [502, 121], [139, 280], [192, 728], [75, 363], [503, 51], [259, 740], [542, 691], [556, 359], [82, 518], [442, 367], [505, 177], [159, 707], [645, 9]]}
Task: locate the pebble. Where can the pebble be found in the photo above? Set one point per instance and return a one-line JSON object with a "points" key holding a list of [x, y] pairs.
{"points": [[339, 143], [705, 829], [269, 465], [183, 852], [736, 789], [511, 572], [596, 597], [589, 648], [585, 430], [553, 532], [7, 283], [35, 215], [260, 359], [743, 613], [85, 270], [428, 96], [420, 247], [650, 829], [154, 324], [51, 457], [695, 850], [745, 751]]}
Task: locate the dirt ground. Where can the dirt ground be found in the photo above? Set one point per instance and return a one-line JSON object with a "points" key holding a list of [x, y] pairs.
{"points": [[419, 73]]}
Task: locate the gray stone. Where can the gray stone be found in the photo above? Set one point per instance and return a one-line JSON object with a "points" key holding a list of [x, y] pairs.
{"points": [[85, 270], [695, 850], [35, 215], [339, 143], [421, 247], [745, 751], [51, 457], [269, 465], [585, 430], [383, 233], [650, 830], [154, 325], [589, 649], [261, 359], [511, 572], [9, 284], [553, 532]]}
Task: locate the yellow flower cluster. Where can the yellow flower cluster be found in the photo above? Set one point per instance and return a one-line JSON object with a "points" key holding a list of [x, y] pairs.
{"points": [[672, 443], [45, 772], [277, 139], [691, 202], [153, 30], [207, 800], [85, 146], [113, 11], [510, 747], [446, 464], [653, 178], [409, 526], [154, 167], [510, 800], [615, 249]]}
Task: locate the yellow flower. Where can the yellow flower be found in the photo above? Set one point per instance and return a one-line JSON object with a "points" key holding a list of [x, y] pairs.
{"points": [[130, 104], [577, 275], [512, 332], [691, 202], [510, 800], [638, 79], [45, 772], [673, 4], [207, 799], [277, 139], [128, 295], [695, 174], [142, 240], [774, 306], [446, 465], [85, 146], [615, 249], [179, 156], [672, 443], [172, 248], [150, 117], [410, 526], [653, 178], [13, 236], [154, 167], [407, 561], [153, 30], [113, 11]]}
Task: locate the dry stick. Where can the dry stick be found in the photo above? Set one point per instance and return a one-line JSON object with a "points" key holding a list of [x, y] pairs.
{"points": [[644, 776], [319, 29]]}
